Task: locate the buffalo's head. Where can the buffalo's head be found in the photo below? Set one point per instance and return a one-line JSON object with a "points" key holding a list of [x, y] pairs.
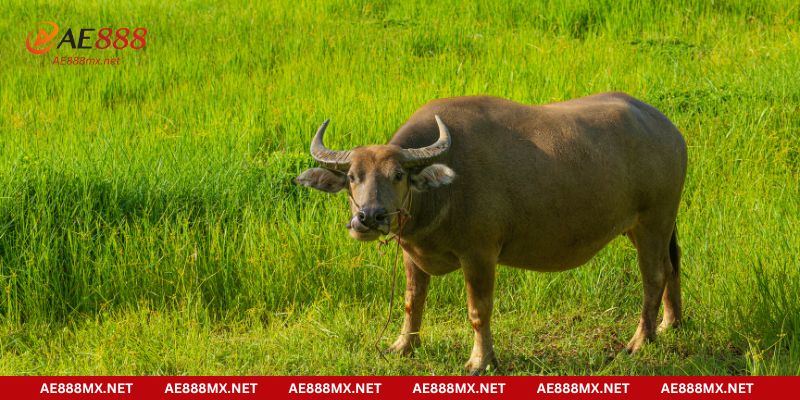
{"points": [[378, 178]]}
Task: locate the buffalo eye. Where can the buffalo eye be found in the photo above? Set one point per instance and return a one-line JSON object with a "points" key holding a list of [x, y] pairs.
{"points": [[398, 176], [351, 178]]}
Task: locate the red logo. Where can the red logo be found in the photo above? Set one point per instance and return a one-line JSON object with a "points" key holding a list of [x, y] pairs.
{"points": [[107, 38], [42, 38]]}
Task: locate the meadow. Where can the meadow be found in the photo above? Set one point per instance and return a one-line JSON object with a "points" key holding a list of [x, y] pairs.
{"points": [[149, 223]]}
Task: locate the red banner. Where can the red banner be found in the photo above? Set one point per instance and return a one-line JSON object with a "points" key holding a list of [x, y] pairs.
{"points": [[337, 387]]}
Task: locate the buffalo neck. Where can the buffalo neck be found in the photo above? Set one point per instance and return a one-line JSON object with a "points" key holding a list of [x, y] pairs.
{"points": [[427, 212]]}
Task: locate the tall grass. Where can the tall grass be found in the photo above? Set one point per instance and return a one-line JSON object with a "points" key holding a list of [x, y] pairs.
{"points": [[149, 223]]}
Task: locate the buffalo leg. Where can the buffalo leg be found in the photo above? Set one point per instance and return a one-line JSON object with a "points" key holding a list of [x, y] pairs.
{"points": [[654, 264], [672, 292], [479, 276], [417, 282]]}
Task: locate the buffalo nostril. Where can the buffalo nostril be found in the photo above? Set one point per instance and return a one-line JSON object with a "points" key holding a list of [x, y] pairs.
{"points": [[379, 215], [372, 217]]}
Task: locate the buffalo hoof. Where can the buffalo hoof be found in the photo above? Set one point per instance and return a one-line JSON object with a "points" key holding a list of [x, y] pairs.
{"points": [[478, 365], [667, 325], [637, 342], [404, 345]]}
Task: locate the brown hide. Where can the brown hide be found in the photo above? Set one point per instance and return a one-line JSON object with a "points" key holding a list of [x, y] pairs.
{"points": [[545, 187]]}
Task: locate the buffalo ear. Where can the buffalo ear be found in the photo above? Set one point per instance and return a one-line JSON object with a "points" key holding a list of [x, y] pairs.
{"points": [[322, 179], [432, 176]]}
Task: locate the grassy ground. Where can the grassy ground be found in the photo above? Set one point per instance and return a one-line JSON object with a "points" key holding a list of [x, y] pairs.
{"points": [[149, 224]]}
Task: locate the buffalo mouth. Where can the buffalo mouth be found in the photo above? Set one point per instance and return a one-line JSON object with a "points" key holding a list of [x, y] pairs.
{"points": [[360, 231]]}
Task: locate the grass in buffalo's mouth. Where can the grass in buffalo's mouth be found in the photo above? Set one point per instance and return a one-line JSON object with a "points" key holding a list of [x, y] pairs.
{"points": [[149, 223]]}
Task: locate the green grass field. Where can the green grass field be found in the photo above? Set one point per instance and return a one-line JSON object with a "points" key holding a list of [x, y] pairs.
{"points": [[149, 223]]}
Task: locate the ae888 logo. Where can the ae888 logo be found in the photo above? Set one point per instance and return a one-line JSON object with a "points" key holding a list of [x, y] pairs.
{"points": [[105, 38]]}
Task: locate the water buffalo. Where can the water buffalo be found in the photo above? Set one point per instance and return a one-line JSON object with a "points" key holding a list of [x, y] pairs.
{"points": [[544, 188]]}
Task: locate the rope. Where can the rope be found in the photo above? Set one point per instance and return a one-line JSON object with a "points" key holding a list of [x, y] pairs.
{"points": [[402, 217]]}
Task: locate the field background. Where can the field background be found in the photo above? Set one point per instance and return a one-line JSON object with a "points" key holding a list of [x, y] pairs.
{"points": [[149, 223]]}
